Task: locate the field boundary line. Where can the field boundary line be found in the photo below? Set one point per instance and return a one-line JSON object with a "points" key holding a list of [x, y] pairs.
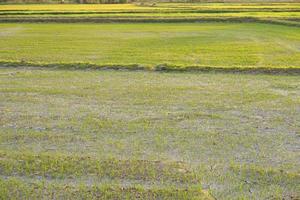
{"points": [[157, 68], [279, 21]]}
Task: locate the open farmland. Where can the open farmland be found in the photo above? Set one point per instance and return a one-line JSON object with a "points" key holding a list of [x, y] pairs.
{"points": [[205, 105], [79, 132]]}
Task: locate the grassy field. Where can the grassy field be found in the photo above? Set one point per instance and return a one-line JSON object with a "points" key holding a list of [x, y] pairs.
{"points": [[212, 113], [220, 45], [283, 13], [83, 134]]}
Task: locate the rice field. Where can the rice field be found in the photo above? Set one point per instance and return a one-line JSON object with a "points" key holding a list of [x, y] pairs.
{"points": [[281, 13]]}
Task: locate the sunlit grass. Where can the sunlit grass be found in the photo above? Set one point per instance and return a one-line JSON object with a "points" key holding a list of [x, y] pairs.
{"points": [[200, 45]]}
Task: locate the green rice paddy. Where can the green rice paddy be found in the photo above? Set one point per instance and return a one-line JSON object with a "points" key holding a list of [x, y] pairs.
{"points": [[221, 45]]}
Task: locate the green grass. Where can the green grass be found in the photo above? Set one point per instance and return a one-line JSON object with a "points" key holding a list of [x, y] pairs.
{"points": [[181, 45], [108, 134]]}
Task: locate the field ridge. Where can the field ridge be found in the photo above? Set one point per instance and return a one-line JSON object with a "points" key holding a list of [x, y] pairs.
{"points": [[280, 21], [159, 67]]}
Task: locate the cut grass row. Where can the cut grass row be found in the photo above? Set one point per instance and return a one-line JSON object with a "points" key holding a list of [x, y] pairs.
{"points": [[176, 174], [16, 188], [60, 176], [63, 166]]}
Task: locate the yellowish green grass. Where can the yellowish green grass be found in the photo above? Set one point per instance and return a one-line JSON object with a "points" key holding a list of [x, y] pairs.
{"points": [[164, 6], [162, 12], [69, 7], [221, 45]]}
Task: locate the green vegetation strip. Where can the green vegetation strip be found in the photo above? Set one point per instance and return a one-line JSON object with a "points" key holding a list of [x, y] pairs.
{"points": [[151, 19], [154, 46], [265, 175], [162, 68], [14, 188], [62, 166], [29, 175]]}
